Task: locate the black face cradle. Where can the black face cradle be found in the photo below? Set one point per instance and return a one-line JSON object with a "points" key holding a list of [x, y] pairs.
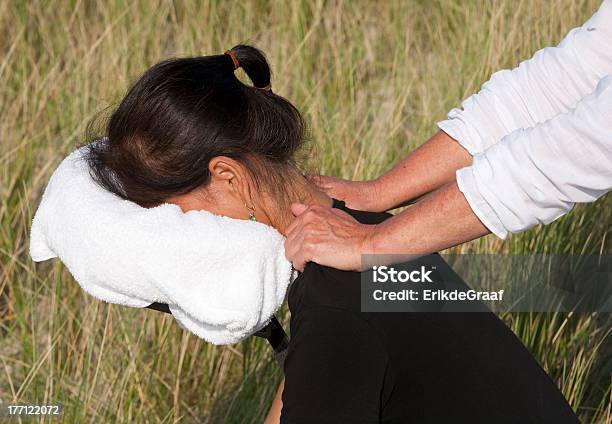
{"points": [[273, 332]]}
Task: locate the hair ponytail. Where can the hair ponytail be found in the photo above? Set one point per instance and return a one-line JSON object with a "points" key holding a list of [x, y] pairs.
{"points": [[254, 63]]}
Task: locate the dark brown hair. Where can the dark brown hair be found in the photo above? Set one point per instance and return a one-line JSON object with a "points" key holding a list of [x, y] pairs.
{"points": [[183, 112]]}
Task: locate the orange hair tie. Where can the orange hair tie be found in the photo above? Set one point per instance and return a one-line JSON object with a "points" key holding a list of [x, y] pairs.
{"points": [[266, 88], [234, 60]]}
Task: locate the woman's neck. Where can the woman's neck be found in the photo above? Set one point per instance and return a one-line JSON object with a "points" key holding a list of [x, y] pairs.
{"points": [[268, 207], [280, 216]]}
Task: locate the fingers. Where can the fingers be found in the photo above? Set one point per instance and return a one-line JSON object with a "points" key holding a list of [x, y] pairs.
{"points": [[297, 249], [341, 214], [298, 211], [294, 239], [323, 182], [299, 261], [313, 178], [316, 179], [322, 234], [298, 208], [303, 214]]}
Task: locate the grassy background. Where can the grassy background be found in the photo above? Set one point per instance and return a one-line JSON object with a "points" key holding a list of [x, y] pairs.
{"points": [[372, 78]]}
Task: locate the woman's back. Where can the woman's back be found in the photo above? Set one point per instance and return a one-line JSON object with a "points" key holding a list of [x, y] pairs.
{"points": [[346, 366]]}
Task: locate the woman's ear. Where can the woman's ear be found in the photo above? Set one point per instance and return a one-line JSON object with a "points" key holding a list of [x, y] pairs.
{"points": [[229, 176]]}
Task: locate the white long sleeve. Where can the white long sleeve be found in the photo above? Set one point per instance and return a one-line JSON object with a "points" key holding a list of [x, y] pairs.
{"points": [[549, 83], [535, 175], [541, 133]]}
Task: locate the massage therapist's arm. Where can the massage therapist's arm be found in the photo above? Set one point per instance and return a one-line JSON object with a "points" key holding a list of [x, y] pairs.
{"points": [[532, 176], [331, 237], [540, 144], [427, 168]]}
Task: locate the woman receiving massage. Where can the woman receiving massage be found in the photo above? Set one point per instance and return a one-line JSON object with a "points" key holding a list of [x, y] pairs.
{"points": [[189, 132]]}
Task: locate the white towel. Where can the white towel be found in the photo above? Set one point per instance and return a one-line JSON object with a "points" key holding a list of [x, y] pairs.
{"points": [[222, 278]]}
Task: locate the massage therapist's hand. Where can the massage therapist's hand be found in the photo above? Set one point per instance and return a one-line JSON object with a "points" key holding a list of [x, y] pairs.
{"points": [[327, 236], [359, 195], [331, 237]]}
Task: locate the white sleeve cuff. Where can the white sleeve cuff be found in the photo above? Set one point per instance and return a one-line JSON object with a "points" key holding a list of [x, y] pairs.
{"points": [[480, 207], [458, 130]]}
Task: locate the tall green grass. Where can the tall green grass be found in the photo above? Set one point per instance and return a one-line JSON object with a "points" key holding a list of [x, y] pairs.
{"points": [[372, 78]]}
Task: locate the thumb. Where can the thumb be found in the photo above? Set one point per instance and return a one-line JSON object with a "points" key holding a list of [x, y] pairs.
{"points": [[298, 208], [315, 179]]}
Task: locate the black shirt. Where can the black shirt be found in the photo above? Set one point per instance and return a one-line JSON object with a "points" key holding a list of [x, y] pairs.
{"points": [[346, 366]]}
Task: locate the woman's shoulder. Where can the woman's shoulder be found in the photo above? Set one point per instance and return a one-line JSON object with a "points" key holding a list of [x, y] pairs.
{"points": [[364, 217], [322, 286]]}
